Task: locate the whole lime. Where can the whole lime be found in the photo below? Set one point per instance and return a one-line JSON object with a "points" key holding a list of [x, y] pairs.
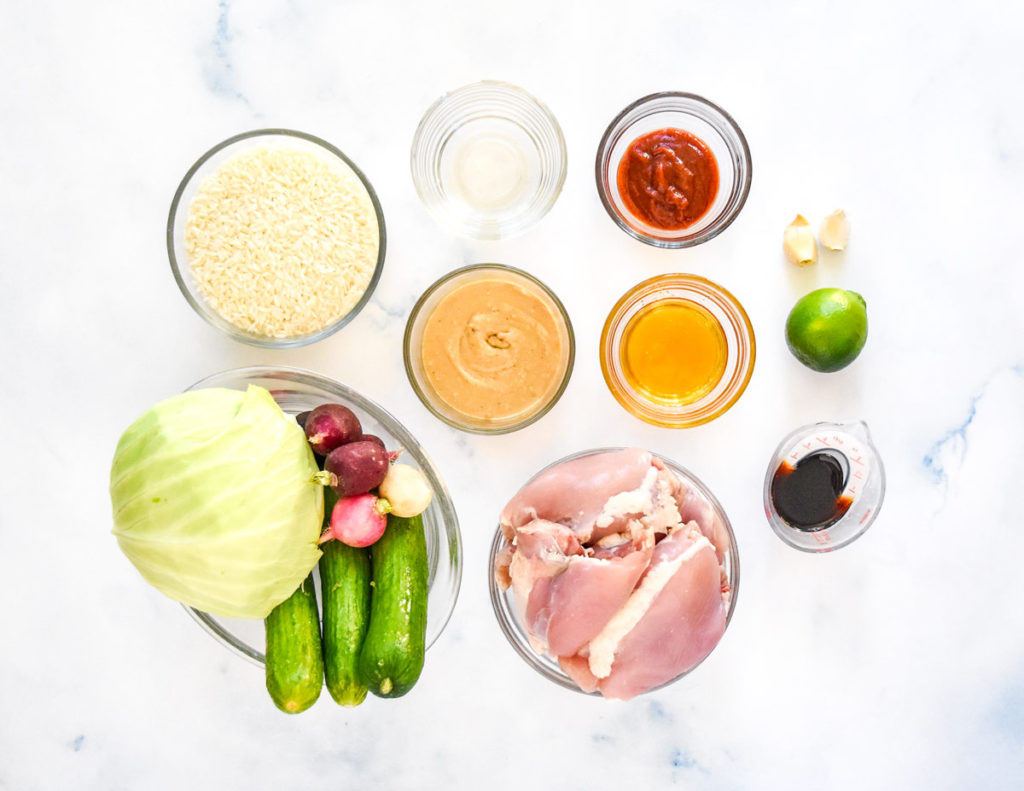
{"points": [[826, 329]]}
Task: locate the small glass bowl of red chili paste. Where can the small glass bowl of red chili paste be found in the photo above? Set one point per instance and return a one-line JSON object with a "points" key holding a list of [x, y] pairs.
{"points": [[673, 170]]}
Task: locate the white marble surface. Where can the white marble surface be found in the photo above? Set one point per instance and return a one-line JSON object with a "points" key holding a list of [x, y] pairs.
{"points": [[897, 662]]}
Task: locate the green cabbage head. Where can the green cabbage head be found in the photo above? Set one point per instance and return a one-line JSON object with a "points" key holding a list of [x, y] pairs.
{"points": [[213, 500]]}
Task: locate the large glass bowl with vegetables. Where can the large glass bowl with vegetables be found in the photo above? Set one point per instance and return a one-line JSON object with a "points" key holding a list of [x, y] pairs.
{"points": [[298, 391], [262, 499]]}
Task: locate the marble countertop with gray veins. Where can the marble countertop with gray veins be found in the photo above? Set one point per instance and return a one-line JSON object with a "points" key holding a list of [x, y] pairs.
{"points": [[894, 663]]}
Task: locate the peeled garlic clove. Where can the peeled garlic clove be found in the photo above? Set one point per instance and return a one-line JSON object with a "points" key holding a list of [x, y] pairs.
{"points": [[835, 231], [798, 242]]}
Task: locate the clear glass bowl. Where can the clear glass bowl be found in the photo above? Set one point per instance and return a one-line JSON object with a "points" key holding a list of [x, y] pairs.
{"points": [[298, 391], [698, 116], [206, 166], [740, 345], [413, 341], [488, 160], [503, 601]]}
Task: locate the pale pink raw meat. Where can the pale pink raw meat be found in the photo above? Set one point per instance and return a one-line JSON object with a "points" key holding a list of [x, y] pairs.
{"points": [[578, 670], [565, 597], [542, 551], [613, 551], [694, 507], [501, 565], [672, 621], [574, 493], [581, 600], [615, 567]]}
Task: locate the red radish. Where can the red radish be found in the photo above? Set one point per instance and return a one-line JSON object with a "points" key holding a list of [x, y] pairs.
{"points": [[331, 425], [355, 468], [392, 454], [373, 438], [357, 521]]}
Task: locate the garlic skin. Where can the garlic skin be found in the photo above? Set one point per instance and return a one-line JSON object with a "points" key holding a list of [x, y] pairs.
{"points": [[835, 231], [799, 243]]}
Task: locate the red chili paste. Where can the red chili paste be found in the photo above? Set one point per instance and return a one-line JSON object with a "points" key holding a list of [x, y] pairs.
{"points": [[668, 178]]}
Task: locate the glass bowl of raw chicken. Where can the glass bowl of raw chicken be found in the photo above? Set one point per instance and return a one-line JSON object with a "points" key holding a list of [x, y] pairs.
{"points": [[614, 572]]}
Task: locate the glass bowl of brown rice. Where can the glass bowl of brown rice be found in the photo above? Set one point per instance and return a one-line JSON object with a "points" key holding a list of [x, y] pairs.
{"points": [[276, 238]]}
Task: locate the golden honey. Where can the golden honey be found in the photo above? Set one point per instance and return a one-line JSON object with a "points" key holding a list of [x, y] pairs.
{"points": [[674, 351]]}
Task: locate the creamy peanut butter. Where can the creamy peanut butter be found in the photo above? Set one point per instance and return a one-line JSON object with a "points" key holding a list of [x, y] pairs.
{"points": [[493, 348]]}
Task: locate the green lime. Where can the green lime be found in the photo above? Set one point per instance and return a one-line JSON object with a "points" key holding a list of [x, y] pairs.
{"points": [[826, 329]]}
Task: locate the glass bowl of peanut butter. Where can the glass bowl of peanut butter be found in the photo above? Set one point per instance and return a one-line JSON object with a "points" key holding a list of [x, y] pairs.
{"points": [[489, 349]]}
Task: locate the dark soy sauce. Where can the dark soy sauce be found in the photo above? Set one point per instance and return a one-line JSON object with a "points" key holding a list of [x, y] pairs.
{"points": [[807, 495]]}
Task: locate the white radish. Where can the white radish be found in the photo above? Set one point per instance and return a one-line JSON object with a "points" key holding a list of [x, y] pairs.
{"points": [[407, 490]]}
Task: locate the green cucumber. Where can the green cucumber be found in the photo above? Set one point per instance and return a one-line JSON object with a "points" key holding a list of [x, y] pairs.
{"points": [[392, 655], [345, 588], [295, 668]]}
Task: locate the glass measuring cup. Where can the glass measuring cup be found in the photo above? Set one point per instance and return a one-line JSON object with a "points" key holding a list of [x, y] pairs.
{"points": [[859, 493]]}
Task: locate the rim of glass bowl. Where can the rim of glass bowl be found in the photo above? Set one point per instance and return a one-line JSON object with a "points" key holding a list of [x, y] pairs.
{"points": [[179, 259], [432, 135], [740, 340], [447, 552], [504, 607], [421, 390], [708, 112]]}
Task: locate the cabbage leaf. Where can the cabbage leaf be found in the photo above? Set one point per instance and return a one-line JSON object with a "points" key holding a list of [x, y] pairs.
{"points": [[214, 501]]}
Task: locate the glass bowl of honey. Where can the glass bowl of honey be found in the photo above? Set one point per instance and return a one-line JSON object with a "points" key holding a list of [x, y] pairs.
{"points": [[677, 350]]}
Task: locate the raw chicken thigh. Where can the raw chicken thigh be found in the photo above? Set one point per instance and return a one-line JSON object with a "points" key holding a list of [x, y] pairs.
{"points": [[615, 568]]}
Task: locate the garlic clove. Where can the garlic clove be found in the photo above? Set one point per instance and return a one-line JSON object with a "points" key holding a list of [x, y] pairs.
{"points": [[798, 242], [835, 231]]}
